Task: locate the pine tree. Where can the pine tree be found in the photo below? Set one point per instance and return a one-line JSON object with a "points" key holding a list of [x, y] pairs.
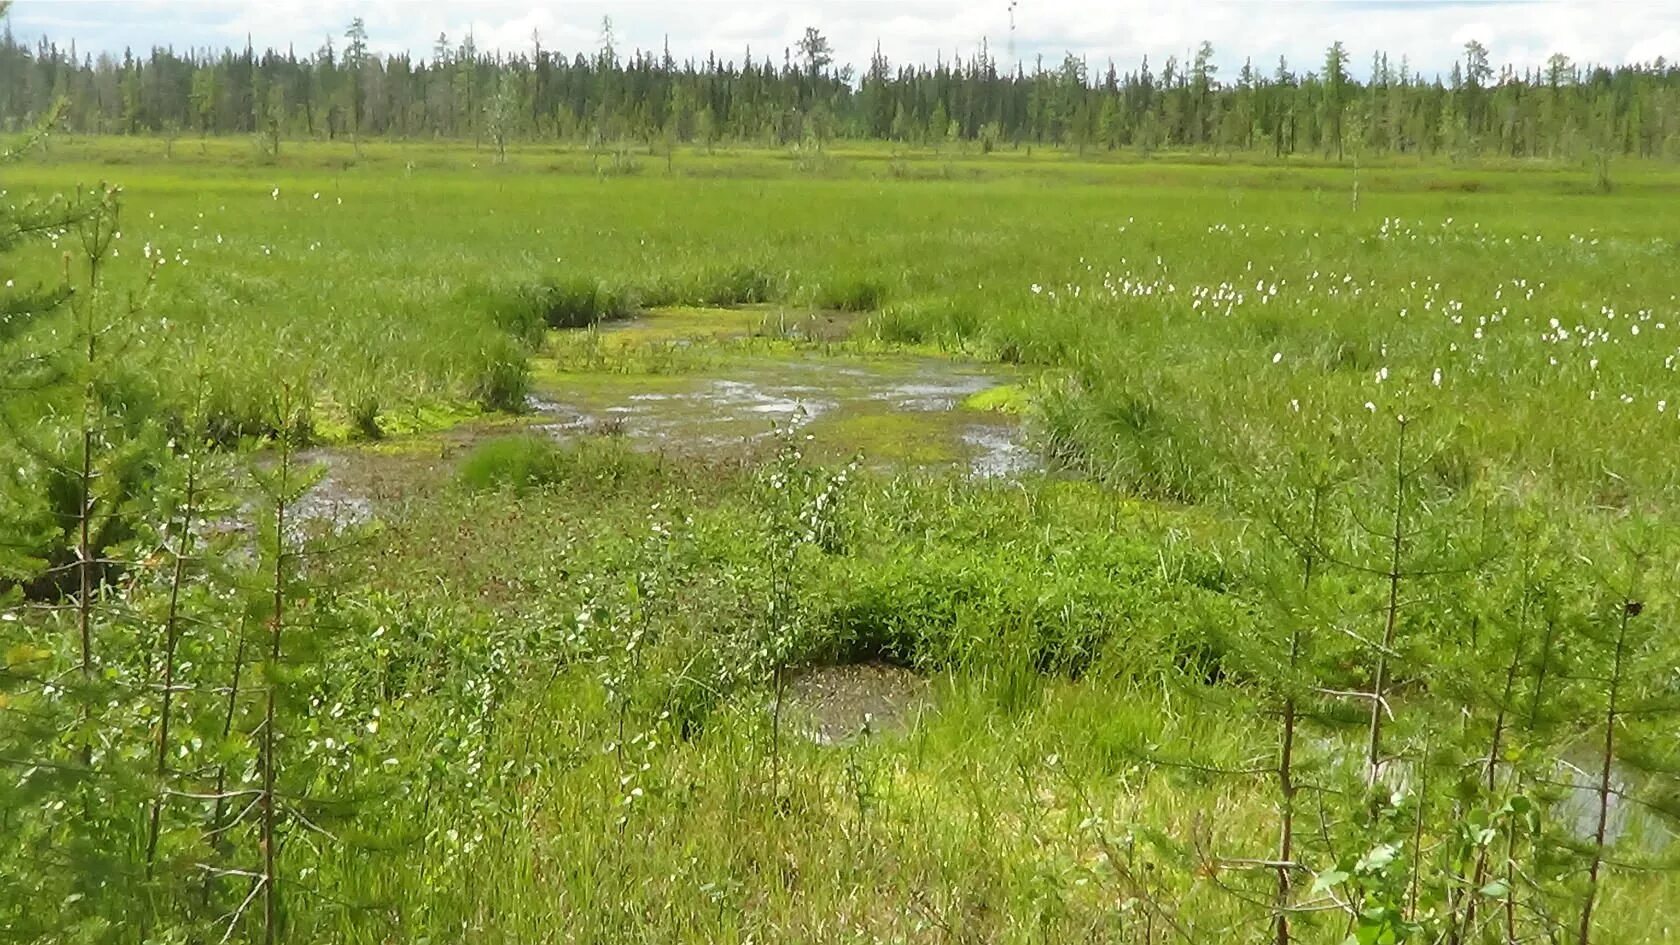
{"points": [[502, 114], [355, 63], [1108, 123], [816, 52], [1202, 71], [1335, 81]]}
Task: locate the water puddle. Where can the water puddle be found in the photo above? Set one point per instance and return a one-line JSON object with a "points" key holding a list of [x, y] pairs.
{"points": [[1573, 787], [331, 505], [1626, 816], [895, 411], [836, 705], [999, 453]]}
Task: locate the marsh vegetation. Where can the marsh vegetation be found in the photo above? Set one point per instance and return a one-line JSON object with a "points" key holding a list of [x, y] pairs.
{"points": [[401, 545]]}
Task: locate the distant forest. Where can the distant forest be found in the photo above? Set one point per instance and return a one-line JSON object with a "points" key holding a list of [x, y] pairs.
{"points": [[609, 97]]}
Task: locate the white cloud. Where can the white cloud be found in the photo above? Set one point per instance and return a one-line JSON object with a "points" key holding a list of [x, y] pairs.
{"points": [[1429, 32]]}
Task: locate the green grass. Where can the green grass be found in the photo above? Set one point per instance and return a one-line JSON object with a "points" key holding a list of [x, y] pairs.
{"points": [[315, 289], [521, 462], [572, 647]]}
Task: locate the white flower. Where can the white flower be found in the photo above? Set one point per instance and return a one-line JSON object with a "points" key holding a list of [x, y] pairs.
{"points": [[275, 193], [1370, 406], [1436, 379], [1277, 356]]}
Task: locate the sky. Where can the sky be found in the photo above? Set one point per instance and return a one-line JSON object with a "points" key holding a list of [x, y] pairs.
{"points": [[1431, 33]]}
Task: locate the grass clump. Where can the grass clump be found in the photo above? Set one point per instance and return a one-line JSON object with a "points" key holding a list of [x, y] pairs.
{"points": [[529, 461], [361, 407], [501, 378], [714, 286], [851, 295], [737, 285], [898, 325], [951, 324], [1130, 437], [580, 302], [526, 309], [516, 462]]}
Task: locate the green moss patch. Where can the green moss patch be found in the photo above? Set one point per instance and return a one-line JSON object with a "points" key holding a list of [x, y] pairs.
{"points": [[1005, 398], [918, 439]]}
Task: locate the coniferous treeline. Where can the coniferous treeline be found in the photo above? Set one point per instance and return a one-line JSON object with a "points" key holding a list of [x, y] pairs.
{"points": [[1564, 109]]}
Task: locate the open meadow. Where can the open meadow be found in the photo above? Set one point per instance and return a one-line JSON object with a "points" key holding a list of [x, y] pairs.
{"points": [[857, 544]]}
